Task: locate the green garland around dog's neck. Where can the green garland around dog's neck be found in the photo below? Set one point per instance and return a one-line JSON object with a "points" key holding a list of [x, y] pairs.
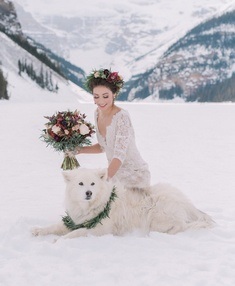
{"points": [[70, 224]]}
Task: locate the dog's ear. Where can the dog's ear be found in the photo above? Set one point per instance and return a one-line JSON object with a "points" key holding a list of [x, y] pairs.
{"points": [[69, 174], [103, 174]]}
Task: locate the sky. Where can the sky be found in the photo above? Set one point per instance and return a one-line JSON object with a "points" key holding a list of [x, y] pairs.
{"points": [[190, 146]]}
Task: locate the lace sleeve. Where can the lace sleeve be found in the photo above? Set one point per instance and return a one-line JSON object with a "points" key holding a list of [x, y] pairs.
{"points": [[122, 137]]}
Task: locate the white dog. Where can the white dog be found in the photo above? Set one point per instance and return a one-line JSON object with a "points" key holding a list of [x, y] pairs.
{"points": [[95, 207]]}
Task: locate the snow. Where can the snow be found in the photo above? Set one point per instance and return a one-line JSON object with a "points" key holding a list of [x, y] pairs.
{"points": [[190, 146]]}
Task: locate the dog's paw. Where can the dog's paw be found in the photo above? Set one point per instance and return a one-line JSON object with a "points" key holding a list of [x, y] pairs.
{"points": [[36, 231], [55, 240]]}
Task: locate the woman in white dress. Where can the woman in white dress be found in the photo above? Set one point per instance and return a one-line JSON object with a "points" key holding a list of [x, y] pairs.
{"points": [[115, 133]]}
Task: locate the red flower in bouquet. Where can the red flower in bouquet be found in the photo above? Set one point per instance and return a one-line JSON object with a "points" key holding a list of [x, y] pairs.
{"points": [[65, 131]]}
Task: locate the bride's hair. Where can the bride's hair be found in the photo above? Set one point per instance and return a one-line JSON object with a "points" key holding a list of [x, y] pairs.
{"points": [[105, 77]]}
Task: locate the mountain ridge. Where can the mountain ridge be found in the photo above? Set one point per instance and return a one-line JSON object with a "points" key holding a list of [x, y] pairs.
{"points": [[26, 58], [203, 57], [156, 72]]}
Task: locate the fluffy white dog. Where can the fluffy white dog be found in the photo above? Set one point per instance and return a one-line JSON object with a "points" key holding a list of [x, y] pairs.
{"points": [[95, 207]]}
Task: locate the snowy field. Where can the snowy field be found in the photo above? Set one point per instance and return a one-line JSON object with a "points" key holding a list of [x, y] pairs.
{"points": [[191, 146]]}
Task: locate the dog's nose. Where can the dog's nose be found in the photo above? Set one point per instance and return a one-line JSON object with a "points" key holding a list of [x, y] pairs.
{"points": [[88, 193]]}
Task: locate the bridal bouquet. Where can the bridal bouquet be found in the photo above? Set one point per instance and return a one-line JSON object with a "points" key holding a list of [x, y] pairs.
{"points": [[67, 131]]}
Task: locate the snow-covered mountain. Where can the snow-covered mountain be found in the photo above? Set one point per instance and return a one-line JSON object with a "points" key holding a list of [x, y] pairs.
{"points": [[22, 88], [136, 37], [199, 66], [25, 63], [130, 35]]}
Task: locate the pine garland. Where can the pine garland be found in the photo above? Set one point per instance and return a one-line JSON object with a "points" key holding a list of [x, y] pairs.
{"points": [[70, 224]]}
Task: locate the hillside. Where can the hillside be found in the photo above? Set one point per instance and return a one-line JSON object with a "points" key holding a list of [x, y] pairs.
{"points": [[137, 38], [29, 60], [22, 88], [203, 58], [130, 35], [160, 58]]}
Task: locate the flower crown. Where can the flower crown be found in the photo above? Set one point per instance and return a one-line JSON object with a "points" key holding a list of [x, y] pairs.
{"points": [[111, 77]]}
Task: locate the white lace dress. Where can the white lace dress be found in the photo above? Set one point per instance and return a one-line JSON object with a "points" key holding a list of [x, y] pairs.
{"points": [[120, 143]]}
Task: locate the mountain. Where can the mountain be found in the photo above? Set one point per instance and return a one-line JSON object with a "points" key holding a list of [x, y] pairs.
{"points": [[198, 67], [28, 59], [141, 39], [8, 18], [130, 36], [22, 88]]}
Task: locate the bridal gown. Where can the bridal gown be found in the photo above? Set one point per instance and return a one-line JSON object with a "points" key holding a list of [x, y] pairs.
{"points": [[119, 143]]}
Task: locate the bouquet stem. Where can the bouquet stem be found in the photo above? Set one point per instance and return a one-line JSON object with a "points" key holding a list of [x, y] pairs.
{"points": [[70, 163]]}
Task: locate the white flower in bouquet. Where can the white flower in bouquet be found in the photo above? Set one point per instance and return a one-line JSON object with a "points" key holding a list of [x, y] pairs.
{"points": [[56, 129], [84, 129]]}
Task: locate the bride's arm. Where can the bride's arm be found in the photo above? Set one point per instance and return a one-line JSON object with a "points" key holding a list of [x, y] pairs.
{"points": [[94, 149], [113, 167], [122, 139]]}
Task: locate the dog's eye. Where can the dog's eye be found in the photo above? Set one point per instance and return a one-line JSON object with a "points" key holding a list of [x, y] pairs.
{"points": [[81, 184], [92, 184]]}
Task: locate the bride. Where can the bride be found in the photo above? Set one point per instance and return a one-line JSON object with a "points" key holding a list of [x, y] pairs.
{"points": [[115, 133]]}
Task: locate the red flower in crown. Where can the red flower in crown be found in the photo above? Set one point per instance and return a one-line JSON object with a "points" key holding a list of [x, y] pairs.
{"points": [[111, 77]]}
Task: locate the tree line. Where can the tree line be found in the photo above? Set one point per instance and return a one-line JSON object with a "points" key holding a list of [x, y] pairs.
{"points": [[43, 78]]}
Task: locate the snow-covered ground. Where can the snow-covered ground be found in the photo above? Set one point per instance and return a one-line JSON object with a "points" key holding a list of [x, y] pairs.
{"points": [[190, 146]]}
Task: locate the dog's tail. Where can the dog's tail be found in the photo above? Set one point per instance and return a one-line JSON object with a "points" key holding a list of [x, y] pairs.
{"points": [[201, 220]]}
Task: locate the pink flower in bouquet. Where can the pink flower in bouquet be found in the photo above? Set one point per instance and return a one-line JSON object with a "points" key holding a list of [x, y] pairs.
{"points": [[75, 128]]}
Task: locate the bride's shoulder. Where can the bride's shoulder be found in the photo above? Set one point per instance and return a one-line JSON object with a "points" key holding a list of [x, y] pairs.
{"points": [[121, 114], [125, 113], [121, 111], [123, 118]]}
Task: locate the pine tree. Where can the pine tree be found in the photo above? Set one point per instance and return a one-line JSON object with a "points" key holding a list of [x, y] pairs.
{"points": [[19, 67], [3, 86]]}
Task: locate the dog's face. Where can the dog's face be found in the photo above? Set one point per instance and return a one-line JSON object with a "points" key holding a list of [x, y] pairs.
{"points": [[83, 185]]}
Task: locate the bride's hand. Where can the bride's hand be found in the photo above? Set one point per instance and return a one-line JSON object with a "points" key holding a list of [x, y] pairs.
{"points": [[69, 153]]}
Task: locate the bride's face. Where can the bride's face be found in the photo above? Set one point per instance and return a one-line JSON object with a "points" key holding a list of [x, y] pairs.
{"points": [[103, 97]]}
